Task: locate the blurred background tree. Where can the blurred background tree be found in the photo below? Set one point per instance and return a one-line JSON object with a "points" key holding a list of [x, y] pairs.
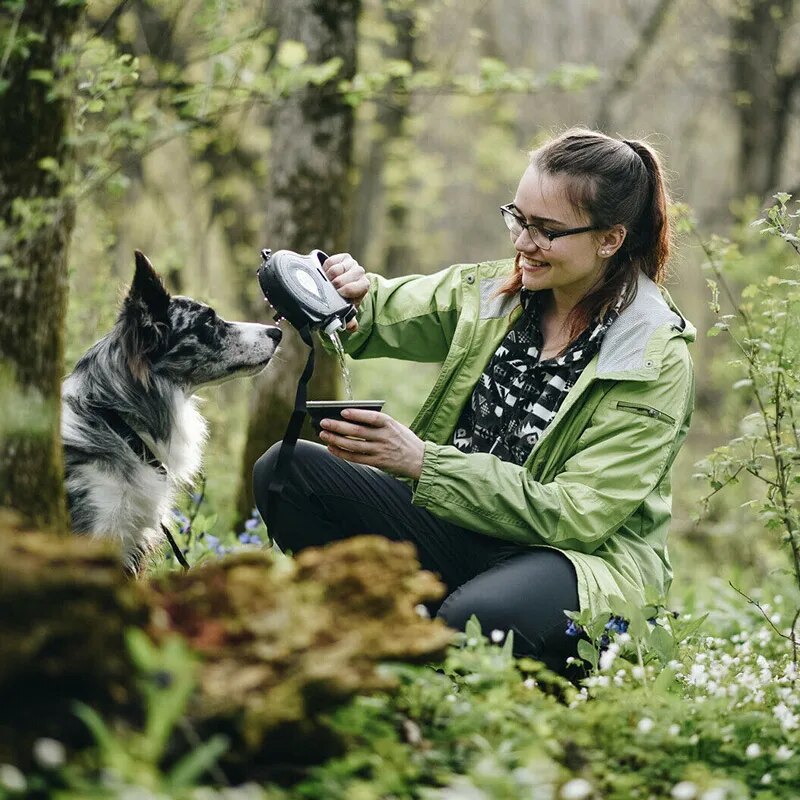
{"points": [[36, 219], [182, 114]]}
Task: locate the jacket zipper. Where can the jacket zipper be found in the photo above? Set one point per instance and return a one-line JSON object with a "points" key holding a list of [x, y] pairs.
{"points": [[645, 411]]}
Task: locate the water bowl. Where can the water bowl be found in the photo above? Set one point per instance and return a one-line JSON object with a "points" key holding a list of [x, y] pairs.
{"points": [[332, 409]]}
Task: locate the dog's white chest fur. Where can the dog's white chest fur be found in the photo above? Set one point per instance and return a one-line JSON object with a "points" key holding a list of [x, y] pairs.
{"points": [[130, 498]]}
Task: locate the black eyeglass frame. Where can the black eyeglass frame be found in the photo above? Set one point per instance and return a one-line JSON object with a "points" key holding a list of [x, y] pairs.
{"points": [[548, 234]]}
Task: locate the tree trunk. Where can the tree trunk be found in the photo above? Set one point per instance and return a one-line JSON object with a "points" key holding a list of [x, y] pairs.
{"points": [[763, 91], [306, 201], [388, 128], [36, 220]]}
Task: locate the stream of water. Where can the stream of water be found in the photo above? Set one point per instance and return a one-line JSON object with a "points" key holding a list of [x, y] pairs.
{"points": [[348, 387]]}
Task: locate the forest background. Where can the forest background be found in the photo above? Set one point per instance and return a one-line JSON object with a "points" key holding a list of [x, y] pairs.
{"points": [[201, 131], [448, 99]]}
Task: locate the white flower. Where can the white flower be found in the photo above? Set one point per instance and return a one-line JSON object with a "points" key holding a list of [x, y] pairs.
{"points": [[12, 779], [607, 658], [717, 793], [422, 610], [674, 730], [766, 779], [49, 753], [783, 753], [645, 725], [529, 683], [576, 789], [638, 672], [685, 790], [498, 635], [753, 750], [784, 715]]}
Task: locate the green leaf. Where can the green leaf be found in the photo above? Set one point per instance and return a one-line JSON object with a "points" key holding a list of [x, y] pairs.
{"points": [[665, 680], [291, 54], [44, 76], [588, 652], [186, 772]]}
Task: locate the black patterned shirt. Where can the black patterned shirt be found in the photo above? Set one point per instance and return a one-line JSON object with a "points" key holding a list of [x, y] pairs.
{"points": [[518, 395]]}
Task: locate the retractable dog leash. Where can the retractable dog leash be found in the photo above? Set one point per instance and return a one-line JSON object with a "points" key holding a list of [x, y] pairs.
{"points": [[300, 292]]}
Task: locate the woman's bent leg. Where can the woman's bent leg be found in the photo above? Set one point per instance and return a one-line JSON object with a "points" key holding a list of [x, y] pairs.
{"points": [[326, 498], [527, 593]]}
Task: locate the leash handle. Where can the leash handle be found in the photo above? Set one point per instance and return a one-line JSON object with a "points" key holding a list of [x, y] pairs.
{"points": [[285, 454]]}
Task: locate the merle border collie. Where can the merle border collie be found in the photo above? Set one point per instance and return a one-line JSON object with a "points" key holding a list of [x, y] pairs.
{"points": [[130, 426]]}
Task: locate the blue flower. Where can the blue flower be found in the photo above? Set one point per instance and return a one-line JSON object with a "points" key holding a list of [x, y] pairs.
{"points": [[212, 541], [573, 629], [617, 624], [252, 523]]}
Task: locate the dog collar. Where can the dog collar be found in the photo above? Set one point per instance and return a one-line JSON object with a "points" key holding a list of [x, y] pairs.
{"points": [[117, 424]]}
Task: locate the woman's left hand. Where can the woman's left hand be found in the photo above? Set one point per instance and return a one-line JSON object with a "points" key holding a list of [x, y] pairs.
{"points": [[387, 444]]}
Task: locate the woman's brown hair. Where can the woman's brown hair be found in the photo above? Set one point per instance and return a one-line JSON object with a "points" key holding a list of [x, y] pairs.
{"points": [[614, 182]]}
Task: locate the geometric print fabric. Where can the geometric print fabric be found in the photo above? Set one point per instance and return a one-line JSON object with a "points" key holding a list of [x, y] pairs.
{"points": [[518, 395]]}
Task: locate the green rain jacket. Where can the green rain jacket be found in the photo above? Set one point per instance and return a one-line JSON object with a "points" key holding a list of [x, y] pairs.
{"points": [[596, 485]]}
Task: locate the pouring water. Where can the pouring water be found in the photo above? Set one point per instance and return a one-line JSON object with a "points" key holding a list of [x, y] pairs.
{"points": [[348, 387]]}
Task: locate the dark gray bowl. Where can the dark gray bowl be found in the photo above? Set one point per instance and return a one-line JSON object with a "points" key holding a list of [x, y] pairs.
{"points": [[332, 409]]}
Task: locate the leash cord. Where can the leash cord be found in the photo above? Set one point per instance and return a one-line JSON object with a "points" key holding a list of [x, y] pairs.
{"points": [[281, 473]]}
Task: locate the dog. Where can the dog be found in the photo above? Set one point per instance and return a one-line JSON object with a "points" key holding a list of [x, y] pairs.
{"points": [[130, 426]]}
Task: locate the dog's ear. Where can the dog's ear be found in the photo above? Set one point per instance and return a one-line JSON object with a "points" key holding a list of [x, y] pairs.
{"points": [[144, 319]]}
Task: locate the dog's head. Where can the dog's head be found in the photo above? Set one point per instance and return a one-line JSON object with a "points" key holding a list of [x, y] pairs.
{"points": [[183, 340]]}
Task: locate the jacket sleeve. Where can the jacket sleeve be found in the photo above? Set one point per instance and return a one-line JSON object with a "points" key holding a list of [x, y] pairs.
{"points": [[411, 318], [620, 457]]}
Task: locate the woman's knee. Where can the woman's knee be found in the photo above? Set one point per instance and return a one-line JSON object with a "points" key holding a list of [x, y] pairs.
{"points": [[264, 469]]}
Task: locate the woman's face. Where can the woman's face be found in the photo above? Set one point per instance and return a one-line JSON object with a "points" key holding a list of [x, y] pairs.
{"points": [[573, 263]]}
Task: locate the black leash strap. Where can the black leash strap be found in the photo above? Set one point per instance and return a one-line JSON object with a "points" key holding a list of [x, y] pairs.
{"points": [[285, 454], [175, 549]]}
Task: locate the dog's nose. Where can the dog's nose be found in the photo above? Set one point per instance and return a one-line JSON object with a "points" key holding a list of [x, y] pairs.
{"points": [[275, 333]]}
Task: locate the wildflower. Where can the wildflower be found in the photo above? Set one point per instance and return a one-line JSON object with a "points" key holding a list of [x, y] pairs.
{"points": [[607, 657], [252, 523], [49, 753], [766, 779], [717, 793], [573, 629], [617, 624], [529, 683], [12, 779], [422, 610], [645, 725], [685, 790], [497, 636], [674, 730], [784, 715], [753, 750], [638, 672], [783, 753], [576, 789]]}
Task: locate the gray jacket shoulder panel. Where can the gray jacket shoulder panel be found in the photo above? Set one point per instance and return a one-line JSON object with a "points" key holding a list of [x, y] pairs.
{"points": [[625, 343]]}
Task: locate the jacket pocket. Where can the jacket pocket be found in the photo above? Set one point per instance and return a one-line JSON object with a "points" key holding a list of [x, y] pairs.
{"points": [[645, 411]]}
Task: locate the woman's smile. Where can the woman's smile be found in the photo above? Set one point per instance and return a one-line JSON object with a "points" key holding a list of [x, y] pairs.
{"points": [[532, 264]]}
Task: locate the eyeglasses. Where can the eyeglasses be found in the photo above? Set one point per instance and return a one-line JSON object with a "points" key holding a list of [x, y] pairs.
{"points": [[541, 237]]}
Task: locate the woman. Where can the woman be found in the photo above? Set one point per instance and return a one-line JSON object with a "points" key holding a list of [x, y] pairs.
{"points": [[536, 476]]}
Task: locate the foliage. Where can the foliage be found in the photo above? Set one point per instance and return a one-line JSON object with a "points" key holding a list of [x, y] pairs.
{"points": [[485, 725], [765, 329]]}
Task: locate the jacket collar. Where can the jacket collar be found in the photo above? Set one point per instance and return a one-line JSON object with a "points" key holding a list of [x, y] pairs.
{"points": [[633, 346]]}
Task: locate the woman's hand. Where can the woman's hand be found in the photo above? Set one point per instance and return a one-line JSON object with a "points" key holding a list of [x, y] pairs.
{"points": [[386, 444], [349, 279]]}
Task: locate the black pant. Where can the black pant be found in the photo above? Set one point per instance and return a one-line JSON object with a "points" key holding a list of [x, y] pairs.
{"points": [[507, 586]]}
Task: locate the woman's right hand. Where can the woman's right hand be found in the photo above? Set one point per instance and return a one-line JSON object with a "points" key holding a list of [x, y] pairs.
{"points": [[348, 278]]}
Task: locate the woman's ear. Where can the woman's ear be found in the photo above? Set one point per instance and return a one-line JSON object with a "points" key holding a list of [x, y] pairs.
{"points": [[611, 241]]}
